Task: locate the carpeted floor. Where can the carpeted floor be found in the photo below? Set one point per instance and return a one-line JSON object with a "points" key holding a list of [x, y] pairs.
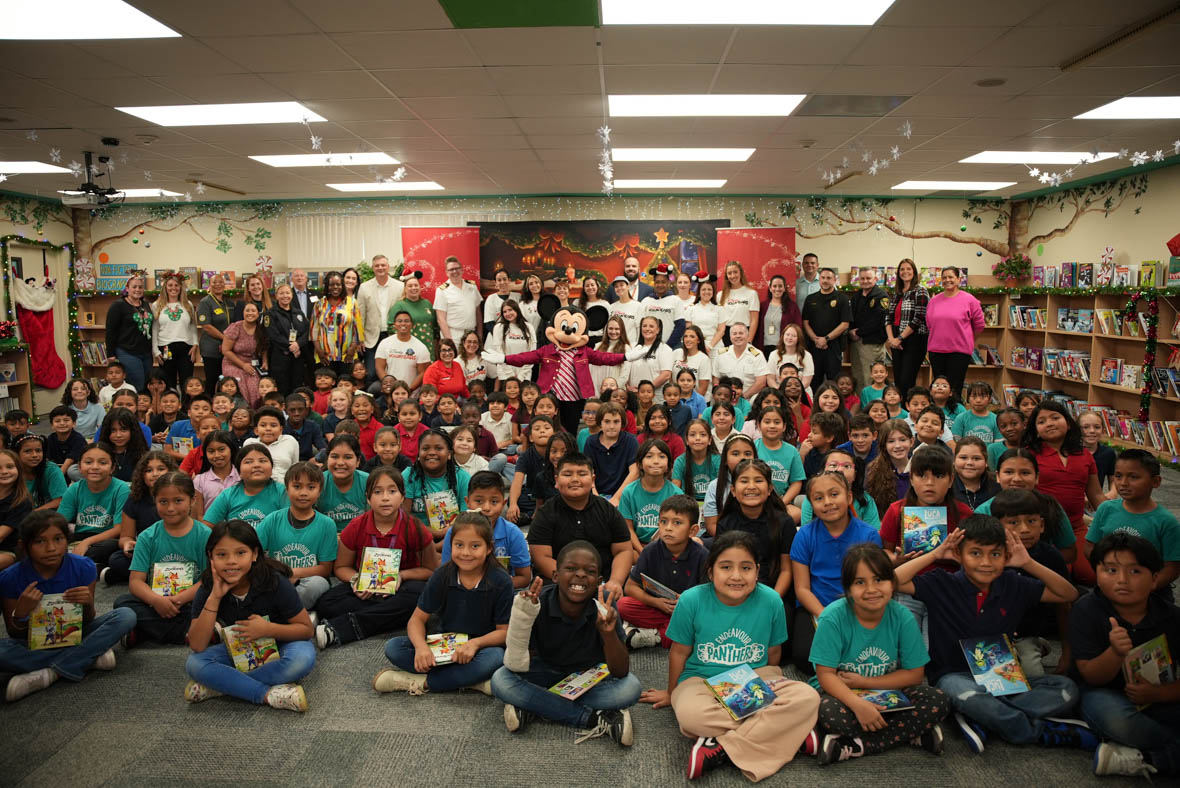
{"points": [[132, 727]]}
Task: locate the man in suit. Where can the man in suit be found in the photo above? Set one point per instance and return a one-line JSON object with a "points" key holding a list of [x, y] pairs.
{"points": [[639, 290], [304, 301], [375, 297]]}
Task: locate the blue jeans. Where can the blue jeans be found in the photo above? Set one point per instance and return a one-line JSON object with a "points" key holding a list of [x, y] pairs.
{"points": [[214, 668], [138, 368], [530, 691], [1155, 729], [451, 677], [1018, 719], [72, 662]]}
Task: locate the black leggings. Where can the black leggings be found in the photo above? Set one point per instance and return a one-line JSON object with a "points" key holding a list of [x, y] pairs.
{"points": [[901, 727], [801, 637], [354, 618], [954, 366], [179, 366], [212, 373], [570, 414], [907, 361]]}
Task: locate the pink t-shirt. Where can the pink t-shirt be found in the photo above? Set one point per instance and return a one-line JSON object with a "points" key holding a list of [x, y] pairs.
{"points": [[953, 323]]}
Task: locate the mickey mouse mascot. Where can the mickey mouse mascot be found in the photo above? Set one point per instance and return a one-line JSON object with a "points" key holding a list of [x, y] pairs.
{"points": [[565, 363]]}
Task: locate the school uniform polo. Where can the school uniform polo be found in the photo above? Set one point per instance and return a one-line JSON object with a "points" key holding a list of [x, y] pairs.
{"points": [[310, 437], [57, 450], [1158, 526], [757, 527], [182, 428], [823, 554], [75, 571], [1041, 620], [957, 610], [280, 604], [556, 524], [407, 535], [872, 455], [678, 573], [1067, 483], [470, 611], [1089, 628], [611, 463], [568, 644]]}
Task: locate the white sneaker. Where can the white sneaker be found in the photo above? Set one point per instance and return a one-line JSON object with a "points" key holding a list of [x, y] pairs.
{"points": [[315, 618], [325, 636], [25, 684], [106, 661], [195, 693], [102, 576], [394, 680], [484, 686], [287, 696], [635, 637], [1112, 758]]}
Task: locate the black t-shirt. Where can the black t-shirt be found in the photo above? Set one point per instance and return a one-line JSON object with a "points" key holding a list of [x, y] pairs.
{"points": [[59, 451], [143, 511], [769, 553], [869, 314], [280, 604], [557, 524], [532, 465], [568, 644], [825, 311], [1040, 621], [13, 516], [1089, 628], [160, 424]]}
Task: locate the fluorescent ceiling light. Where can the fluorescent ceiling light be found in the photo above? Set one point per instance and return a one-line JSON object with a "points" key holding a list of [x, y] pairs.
{"points": [[59, 20], [132, 193], [396, 186], [681, 154], [701, 105], [225, 114], [741, 12], [1135, 108], [962, 186], [668, 183], [325, 159], [25, 167], [1035, 157]]}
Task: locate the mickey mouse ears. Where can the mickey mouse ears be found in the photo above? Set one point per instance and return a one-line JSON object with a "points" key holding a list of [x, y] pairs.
{"points": [[408, 275], [701, 277], [663, 269]]}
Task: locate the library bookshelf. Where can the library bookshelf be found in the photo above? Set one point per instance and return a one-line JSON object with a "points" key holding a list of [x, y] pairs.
{"points": [[16, 380]]}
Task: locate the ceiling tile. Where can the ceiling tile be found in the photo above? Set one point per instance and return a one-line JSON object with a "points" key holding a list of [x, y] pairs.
{"points": [[686, 78], [532, 106], [361, 109], [341, 16], [1036, 46], [1065, 12], [448, 126], [217, 17], [560, 126], [950, 106], [16, 91], [413, 82], [554, 78], [1111, 82], [634, 44], [489, 142], [376, 131], [939, 13], [419, 49], [459, 107], [154, 57], [870, 80], [932, 46], [533, 46], [282, 53], [48, 59], [961, 81], [812, 45], [506, 158], [753, 78], [220, 88], [1156, 48], [312, 85]]}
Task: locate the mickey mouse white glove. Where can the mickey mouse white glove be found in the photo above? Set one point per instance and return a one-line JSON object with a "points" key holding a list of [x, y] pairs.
{"points": [[492, 357]]}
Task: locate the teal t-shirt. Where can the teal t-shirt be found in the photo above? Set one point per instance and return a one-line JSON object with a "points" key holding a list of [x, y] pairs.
{"points": [[642, 507], [843, 643], [1065, 536], [233, 504], [950, 413], [982, 427], [298, 548], [784, 462], [701, 474], [741, 410], [55, 484], [722, 636], [583, 436], [343, 508], [155, 545], [434, 502], [995, 451], [94, 512], [1159, 526], [868, 394], [865, 511]]}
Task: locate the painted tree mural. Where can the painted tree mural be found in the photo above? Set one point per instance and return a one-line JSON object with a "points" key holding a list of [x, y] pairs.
{"points": [[820, 217], [31, 212], [217, 224]]}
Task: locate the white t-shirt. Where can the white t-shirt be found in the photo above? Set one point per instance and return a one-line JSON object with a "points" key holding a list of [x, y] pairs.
{"points": [[738, 306], [476, 369], [165, 330], [750, 365], [491, 307], [529, 310], [773, 362], [699, 363], [631, 313], [501, 430], [706, 317], [599, 373], [666, 310], [402, 358], [284, 453], [461, 305], [508, 340], [650, 368]]}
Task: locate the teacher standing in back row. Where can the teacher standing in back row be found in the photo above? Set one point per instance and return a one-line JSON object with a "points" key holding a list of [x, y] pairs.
{"points": [[954, 320]]}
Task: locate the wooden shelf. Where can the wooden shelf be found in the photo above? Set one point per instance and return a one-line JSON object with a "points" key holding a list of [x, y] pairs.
{"points": [[90, 328], [19, 388]]}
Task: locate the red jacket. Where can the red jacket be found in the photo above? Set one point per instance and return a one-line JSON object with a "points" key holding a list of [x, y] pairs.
{"points": [[547, 357], [447, 379]]}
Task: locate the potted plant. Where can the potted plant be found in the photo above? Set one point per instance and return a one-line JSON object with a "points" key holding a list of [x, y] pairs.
{"points": [[1013, 269]]}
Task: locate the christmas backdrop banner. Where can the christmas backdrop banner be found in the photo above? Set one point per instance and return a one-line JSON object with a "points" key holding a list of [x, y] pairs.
{"points": [[425, 248], [762, 251], [574, 250]]}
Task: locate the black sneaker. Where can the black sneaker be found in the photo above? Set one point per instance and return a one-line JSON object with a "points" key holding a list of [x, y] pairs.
{"points": [[707, 754], [1064, 734], [931, 739], [131, 639], [515, 718], [973, 733], [615, 724], [840, 748]]}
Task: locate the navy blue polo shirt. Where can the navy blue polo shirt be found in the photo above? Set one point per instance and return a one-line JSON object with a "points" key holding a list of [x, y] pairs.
{"points": [[610, 465], [310, 437], [679, 574], [280, 604], [568, 644], [959, 610], [1089, 628], [1041, 620], [470, 611]]}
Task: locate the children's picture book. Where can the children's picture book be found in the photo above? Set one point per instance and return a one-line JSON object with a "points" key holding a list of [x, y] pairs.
{"points": [[441, 509], [1150, 274], [923, 528], [1085, 274], [55, 623], [1085, 321], [443, 646], [7, 372], [190, 275], [206, 278], [1104, 275], [248, 654], [379, 568], [1106, 321], [282, 278], [1150, 663], [994, 665], [182, 444], [230, 278], [1067, 274], [886, 700], [656, 588], [1038, 276], [991, 315], [1173, 272], [169, 578], [575, 685], [741, 691]]}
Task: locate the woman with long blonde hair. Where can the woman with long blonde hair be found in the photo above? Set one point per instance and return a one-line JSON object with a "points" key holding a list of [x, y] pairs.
{"points": [[174, 331], [738, 301]]}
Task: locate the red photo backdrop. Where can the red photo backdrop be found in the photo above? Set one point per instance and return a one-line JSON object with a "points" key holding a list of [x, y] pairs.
{"points": [[762, 251], [425, 248]]}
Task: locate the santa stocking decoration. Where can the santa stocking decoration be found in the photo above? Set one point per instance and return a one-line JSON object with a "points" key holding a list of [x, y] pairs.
{"points": [[34, 314]]}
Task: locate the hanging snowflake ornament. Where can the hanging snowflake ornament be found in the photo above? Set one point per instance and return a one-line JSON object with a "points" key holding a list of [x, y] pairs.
{"points": [[884, 164], [188, 196], [868, 154], [55, 155], [1175, 147], [1045, 177], [1069, 173], [873, 168], [906, 129], [895, 152], [200, 188], [1140, 157], [399, 173], [147, 175], [3, 177], [31, 135], [93, 170], [76, 169], [604, 135], [317, 143], [1157, 156], [844, 163], [1035, 172], [1123, 153], [1055, 179]]}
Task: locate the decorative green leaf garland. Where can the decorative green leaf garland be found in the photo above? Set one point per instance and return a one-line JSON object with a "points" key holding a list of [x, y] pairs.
{"points": [[1153, 319]]}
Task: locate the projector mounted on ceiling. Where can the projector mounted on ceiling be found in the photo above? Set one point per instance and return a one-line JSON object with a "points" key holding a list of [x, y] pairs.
{"points": [[89, 194]]}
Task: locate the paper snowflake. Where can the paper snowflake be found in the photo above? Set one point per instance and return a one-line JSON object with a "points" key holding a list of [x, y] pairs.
{"points": [[873, 168], [1157, 156], [907, 129], [188, 196], [147, 175], [1175, 147], [844, 163], [1055, 179], [1123, 153], [93, 169], [1035, 172], [884, 164], [3, 177], [895, 152], [1069, 173], [604, 135], [31, 135], [1045, 177], [55, 155], [76, 169], [124, 157], [399, 173], [1140, 157], [200, 188], [317, 143], [868, 154]]}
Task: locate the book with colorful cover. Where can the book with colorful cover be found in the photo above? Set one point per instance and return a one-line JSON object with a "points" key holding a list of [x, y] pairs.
{"points": [[923, 528], [1173, 279], [1150, 663], [1085, 274], [1068, 271], [656, 588], [1104, 275], [991, 315], [1038, 276], [886, 700], [994, 665], [1085, 322], [248, 654], [1107, 323], [182, 444], [379, 570], [169, 578], [1150, 274], [577, 684], [741, 691], [55, 623], [443, 645]]}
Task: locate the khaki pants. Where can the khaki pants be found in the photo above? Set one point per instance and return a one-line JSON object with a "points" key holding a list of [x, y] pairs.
{"points": [[862, 357], [762, 743]]}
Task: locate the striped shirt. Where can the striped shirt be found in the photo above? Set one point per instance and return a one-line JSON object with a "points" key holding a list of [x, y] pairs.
{"points": [[565, 381]]}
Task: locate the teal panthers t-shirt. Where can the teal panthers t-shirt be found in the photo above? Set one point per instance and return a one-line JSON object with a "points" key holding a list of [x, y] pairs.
{"points": [[155, 545], [434, 502], [345, 507], [234, 504], [94, 512], [724, 636], [842, 643], [1159, 526], [982, 427], [784, 462], [701, 474], [642, 507], [55, 484], [298, 548]]}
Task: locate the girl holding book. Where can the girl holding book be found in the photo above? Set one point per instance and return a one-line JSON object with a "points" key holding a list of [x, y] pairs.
{"points": [[435, 486], [640, 501], [168, 558], [862, 505], [255, 496], [95, 504], [48, 567], [217, 473], [733, 619], [139, 513], [343, 490], [347, 614], [866, 642], [888, 476], [45, 481], [471, 595], [246, 599], [699, 465], [739, 447]]}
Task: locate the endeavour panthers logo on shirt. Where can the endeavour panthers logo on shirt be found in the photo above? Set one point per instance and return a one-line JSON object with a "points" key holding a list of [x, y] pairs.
{"points": [[732, 647]]}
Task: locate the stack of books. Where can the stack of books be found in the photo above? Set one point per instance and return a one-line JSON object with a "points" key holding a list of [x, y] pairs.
{"points": [[1071, 364]]}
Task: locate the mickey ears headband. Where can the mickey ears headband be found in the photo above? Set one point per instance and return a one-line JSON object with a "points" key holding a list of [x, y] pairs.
{"points": [[663, 269], [700, 277], [408, 275]]}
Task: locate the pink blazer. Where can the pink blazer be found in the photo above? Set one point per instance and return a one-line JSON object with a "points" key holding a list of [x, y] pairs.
{"points": [[547, 357]]}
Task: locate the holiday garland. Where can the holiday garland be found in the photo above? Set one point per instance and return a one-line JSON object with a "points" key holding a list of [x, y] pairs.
{"points": [[1153, 319]]}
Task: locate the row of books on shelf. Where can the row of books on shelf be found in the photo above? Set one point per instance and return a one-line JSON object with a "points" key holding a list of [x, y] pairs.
{"points": [[1027, 317], [94, 353], [929, 278], [1117, 372], [1022, 357], [1063, 363], [1079, 320], [986, 356], [1160, 435], [1149, 273]]}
